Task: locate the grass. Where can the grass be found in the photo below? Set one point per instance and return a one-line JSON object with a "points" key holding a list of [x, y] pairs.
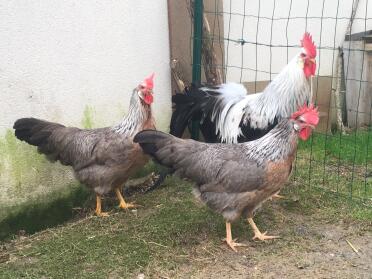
{"points": [[351, 148], [35, 215], [123, 242], [338, 163], [173, 230]]}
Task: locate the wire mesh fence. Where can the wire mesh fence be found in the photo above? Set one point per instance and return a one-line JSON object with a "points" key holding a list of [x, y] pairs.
{"points": [[253, 40]]}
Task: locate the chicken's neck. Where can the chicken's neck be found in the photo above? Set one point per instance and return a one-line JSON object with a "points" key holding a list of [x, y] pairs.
{"points": [[279, 144], [288, 90], [137, 115]]}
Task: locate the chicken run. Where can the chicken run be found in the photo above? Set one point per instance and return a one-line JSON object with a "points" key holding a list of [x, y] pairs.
{"points": [[232, 179], [244, 158]]}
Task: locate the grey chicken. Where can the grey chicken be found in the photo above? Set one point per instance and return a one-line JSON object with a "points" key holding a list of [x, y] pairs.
{"points": [[234, 179], [102, 159]]}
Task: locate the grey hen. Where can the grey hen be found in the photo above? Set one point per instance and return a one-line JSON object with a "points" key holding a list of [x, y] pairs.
{"points": [[102, 159], [234, 179]]}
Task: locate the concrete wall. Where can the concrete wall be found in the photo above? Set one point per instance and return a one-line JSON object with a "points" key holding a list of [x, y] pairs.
{"points": [[75, 62], [358, 74]]}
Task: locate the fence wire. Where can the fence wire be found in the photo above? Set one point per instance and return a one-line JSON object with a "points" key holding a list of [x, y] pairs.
{"points": [[337, 158]]}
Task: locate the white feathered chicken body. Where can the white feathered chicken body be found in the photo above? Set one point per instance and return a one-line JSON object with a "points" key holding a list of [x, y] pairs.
{"points": [[227, 114]]}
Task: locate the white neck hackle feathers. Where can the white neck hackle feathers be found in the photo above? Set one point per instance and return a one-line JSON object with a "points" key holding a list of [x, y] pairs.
{"points": [[276, 145], [287, 91], [138, 113]]}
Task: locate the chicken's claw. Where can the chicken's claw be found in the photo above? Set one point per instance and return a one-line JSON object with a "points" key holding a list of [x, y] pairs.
{"points": [[276, 196], [102, 214], [127, 205], [262, 236], [234, 244]]}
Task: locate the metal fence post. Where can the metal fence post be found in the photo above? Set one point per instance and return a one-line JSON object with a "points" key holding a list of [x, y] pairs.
{"points": [[196, 56]]}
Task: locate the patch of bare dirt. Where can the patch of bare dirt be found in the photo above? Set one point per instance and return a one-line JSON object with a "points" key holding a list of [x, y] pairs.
{"points": [[306, 249]]}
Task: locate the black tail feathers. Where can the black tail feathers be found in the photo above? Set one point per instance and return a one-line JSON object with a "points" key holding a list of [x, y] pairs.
{"points": [[35, 132], [188, 107]]}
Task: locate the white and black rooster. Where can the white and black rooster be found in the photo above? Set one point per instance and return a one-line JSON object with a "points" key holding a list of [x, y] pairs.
{"points": [[227, 114]]}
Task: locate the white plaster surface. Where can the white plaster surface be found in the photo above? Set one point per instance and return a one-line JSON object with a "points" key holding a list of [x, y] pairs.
{"points": [[57, 57]]}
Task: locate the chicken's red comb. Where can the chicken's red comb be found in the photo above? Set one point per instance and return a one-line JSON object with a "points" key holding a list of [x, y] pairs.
{"points": [[309, 113], [149, 81], [308, 44]]}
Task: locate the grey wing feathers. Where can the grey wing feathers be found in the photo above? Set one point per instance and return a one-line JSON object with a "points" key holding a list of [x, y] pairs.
{"points": [[215, 167], [72, 146]]}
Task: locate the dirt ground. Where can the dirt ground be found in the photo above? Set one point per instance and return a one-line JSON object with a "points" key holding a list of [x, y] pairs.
{"points": [[307, 248], [314, 251]]}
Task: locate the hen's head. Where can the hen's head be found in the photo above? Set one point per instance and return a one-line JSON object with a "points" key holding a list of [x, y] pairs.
{"points": [[305, 119], [308, 55], [144, 90]]}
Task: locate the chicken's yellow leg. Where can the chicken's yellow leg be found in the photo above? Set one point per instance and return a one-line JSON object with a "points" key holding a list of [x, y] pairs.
{"points": [[99, 207], [257, 233], [276, 196], [122, 203], [231, 242]]}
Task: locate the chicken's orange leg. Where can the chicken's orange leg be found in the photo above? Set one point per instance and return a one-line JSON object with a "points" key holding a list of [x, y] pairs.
{"points": [[231, 242], [99, 207], [257, 233], [122, 203]]}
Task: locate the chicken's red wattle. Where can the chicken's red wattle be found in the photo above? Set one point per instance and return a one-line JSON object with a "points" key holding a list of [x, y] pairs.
{"points": [[148, 99]]}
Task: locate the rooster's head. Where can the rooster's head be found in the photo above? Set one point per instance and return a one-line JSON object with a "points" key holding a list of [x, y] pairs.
{"points": [[308, 54], [305, 119], [144, 90]]}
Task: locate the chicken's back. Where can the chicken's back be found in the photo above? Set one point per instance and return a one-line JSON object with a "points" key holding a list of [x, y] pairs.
{"points": [[226, 177], [101, 158]]}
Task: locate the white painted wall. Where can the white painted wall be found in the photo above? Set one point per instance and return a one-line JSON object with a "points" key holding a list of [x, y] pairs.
{"points": [[324, 33], [57, 57]]}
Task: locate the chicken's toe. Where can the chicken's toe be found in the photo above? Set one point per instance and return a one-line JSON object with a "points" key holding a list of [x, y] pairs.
{"points": [[127, 205], [234, 244], [262, 236], [102, 214]]}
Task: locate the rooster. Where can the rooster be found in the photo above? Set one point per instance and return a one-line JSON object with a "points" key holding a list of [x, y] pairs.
{"points": [[227, 114], [234, 179], [102, 159]]}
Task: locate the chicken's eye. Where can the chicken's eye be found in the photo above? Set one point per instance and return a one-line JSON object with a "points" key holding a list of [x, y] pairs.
{"points": [[301, 120]]}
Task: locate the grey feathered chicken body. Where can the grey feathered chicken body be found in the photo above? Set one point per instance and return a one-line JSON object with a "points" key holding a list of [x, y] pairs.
{"points": [[102, 159], [234, 179]]}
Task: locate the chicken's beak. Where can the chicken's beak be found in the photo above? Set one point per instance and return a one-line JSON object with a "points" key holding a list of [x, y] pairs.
{"points": [[311, 126]]}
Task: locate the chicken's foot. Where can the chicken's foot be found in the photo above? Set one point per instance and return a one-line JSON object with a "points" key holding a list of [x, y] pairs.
{"points": [[276, 196], [123, 204], [231, 242], [257, 233], [99, 207]]}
